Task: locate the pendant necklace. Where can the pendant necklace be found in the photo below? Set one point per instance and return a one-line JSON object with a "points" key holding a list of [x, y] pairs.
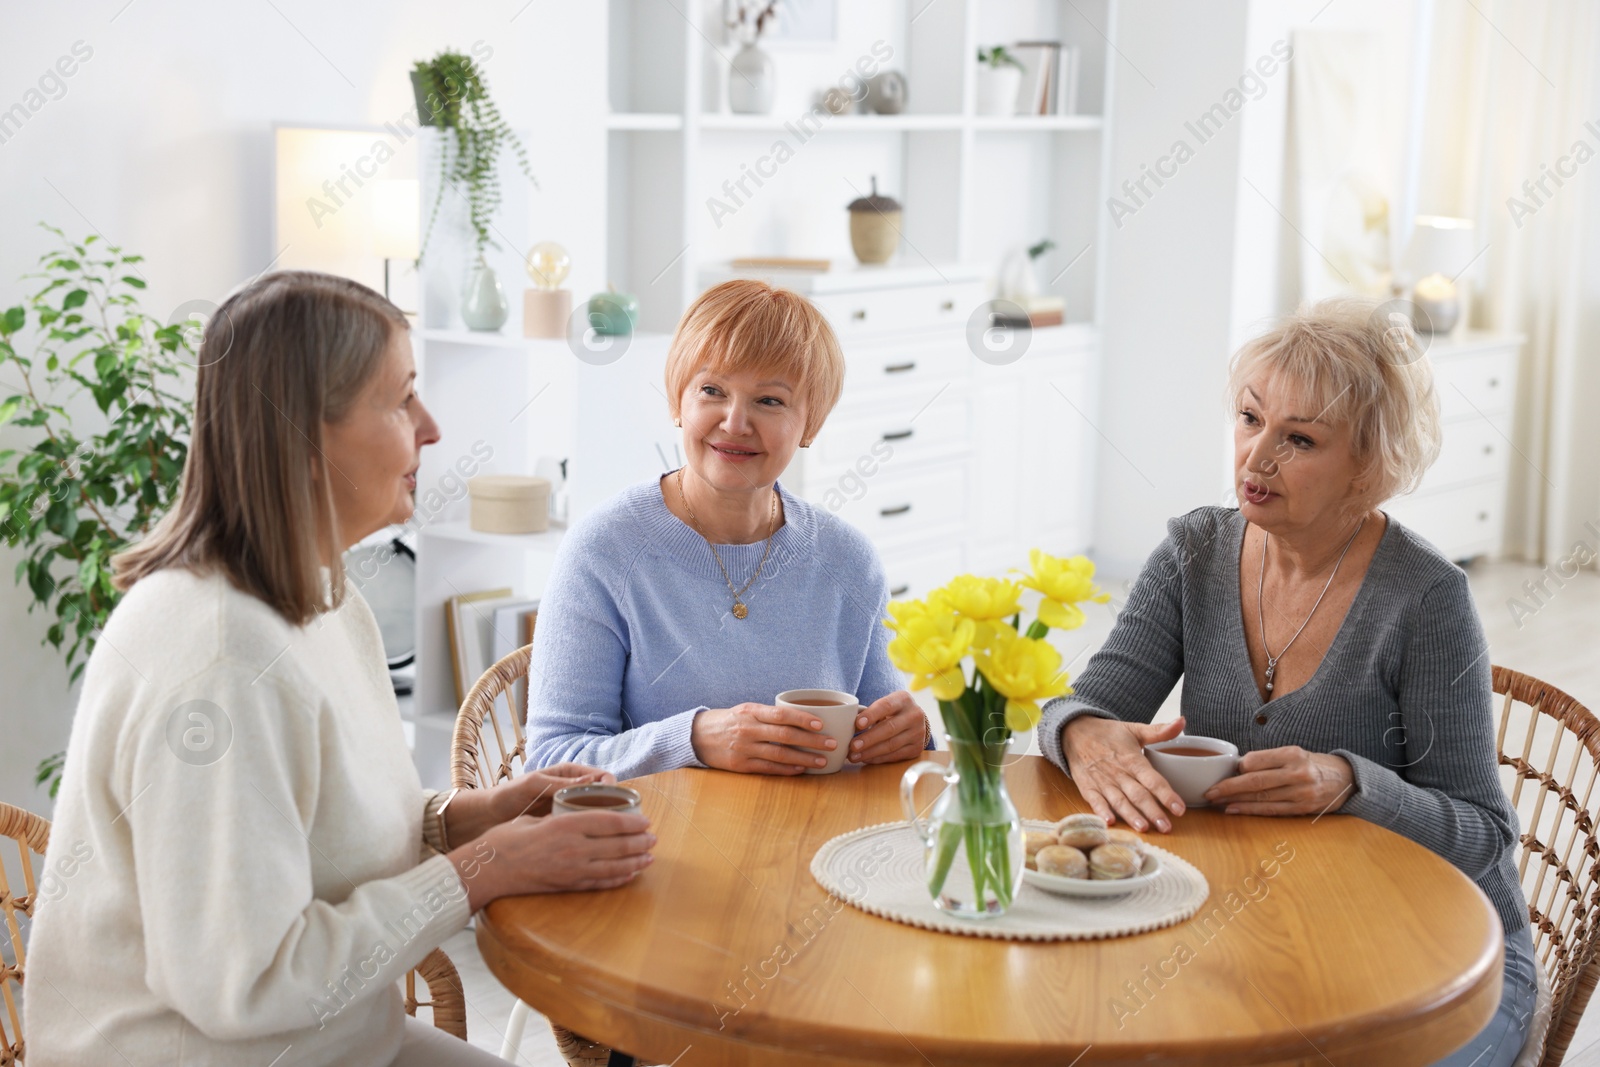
{"points": [[1261, 619], [739, 608]]}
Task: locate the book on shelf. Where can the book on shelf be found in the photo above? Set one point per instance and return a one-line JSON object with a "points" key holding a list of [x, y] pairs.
{"points": [[1037, 58], [469, 627], [780, 263], [1050, 78], [513, 628], [1066, 99]]}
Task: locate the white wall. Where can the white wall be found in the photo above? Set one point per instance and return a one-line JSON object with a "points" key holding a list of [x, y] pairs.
{"points": [[162, 143], [1200, 265], [1165, 314]]}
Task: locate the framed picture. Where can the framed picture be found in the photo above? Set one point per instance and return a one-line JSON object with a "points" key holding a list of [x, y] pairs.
{"points": [[800, 22]]}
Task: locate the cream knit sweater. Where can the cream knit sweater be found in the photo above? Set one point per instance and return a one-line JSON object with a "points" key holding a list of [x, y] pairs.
{"points": [[237, 872]]}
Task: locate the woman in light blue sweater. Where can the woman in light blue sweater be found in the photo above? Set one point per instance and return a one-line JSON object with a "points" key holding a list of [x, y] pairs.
{"points": [[678, 611]]}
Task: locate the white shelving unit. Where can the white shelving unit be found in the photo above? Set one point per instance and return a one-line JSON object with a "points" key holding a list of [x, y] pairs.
{"points": [[972, 187]]}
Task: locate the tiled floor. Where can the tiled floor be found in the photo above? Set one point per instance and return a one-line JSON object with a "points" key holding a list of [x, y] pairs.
{"points": [[1555, 636]]}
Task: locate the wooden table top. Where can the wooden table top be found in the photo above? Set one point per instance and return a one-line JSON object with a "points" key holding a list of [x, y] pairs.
{"points": [[1321, 939]]}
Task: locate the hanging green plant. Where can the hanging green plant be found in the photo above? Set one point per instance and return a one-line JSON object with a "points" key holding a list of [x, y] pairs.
{"points": [[72, 499], [452, 94]]}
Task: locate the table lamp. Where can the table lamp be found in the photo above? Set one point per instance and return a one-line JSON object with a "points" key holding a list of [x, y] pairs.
{"points": [[1440, 250], [547, 307], [396, 213]]}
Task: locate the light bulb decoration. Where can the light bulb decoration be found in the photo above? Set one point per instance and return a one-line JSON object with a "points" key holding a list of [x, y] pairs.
{"points": [[548, 265], [547, 307]]}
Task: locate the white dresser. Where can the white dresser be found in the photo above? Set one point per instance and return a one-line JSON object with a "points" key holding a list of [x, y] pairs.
{"points": [[947, 462], [1461, 503]]}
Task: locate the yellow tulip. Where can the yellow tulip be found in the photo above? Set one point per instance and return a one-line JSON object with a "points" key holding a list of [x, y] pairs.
{"points": [[982, 599], [1064, 584], [930, 641], [1025, 671]]}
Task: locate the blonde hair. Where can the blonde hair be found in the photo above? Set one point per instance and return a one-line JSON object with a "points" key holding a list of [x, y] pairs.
{"points": [[1358, 368], [746, 324], [281, 357]]}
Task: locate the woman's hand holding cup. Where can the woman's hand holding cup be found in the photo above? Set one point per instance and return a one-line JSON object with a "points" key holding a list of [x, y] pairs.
{"points": [[554, 854], [755, 739], [1106, 760], [893, 729]]}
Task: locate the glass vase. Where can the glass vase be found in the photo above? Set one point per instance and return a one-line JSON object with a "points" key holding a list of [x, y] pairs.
{"points": [[972, 837]]}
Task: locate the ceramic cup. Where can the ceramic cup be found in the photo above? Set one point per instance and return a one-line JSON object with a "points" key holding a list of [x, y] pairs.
{"points": [[838, 713], [1191, 775], [596, 796]]}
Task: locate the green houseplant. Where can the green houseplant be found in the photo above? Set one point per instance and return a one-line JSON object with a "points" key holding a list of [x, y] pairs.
{"points": [[999, 79], [72, 497], [453, 95]]}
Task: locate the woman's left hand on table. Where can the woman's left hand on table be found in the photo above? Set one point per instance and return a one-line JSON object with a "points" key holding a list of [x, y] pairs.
{"points": [[1285, 781], [889, 730]]}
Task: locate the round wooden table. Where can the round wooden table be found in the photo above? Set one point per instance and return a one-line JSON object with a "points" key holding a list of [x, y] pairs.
{"points": [[1323, 940]]}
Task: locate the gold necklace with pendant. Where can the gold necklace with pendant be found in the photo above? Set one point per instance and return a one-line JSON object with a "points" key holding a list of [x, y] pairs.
{"points": [[739, 608]]}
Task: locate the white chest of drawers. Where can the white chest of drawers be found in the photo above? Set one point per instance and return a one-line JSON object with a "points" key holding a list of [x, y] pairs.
{"points": [[1461, 503], [946, 462]]}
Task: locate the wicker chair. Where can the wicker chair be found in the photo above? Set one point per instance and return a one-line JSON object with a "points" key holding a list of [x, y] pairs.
{"points": [[32, 836], [489, 747], [1550, 740]]}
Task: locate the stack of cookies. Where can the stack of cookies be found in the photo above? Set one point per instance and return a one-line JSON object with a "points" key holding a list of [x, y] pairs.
{"points": [[1081, 846]]}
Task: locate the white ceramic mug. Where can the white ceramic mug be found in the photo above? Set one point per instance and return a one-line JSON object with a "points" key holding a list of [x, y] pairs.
{"points": [[838, 713], [1191, 776]]}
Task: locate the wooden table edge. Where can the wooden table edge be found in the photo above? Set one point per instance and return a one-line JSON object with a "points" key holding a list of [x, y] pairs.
{"points": [[574, 994]]}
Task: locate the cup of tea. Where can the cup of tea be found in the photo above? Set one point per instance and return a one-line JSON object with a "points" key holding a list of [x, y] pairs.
{"points": [[1191, 765], [595, 796], [838, 713]]}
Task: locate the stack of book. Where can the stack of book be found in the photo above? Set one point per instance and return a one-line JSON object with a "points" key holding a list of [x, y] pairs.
{"points": [[1050, 78]]}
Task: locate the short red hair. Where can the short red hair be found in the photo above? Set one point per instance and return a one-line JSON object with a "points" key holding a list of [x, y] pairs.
{"points": [[748, 325]]}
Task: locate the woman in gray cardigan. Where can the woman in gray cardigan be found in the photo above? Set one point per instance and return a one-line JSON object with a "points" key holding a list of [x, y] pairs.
{"points": [[1338, 650]]}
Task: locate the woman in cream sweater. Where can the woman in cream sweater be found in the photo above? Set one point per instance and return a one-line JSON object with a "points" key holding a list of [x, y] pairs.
{"points": [[256, 862]]}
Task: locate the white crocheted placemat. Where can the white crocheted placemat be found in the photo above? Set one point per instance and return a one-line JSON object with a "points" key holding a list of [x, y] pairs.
{"points": [[879, 869]]}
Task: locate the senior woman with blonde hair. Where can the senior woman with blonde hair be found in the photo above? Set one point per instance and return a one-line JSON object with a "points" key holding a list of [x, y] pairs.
{"points": [[678, 611], [1337, 649]]}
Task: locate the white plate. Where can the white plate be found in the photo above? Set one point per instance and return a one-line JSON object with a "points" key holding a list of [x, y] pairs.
{"points": [[1085, 887]]}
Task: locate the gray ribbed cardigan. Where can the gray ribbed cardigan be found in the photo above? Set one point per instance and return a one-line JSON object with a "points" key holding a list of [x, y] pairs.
{"points": [[1403, 693]]}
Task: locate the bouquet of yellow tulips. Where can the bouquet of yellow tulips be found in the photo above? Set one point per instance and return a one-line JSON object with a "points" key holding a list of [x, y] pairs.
{"points": [[1013, 671]]}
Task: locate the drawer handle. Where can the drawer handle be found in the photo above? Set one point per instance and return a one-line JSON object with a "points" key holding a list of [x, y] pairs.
{"points": [[1488, 450], [900, 590], [1483, 516], [900, 368], [859, 315], [947, 305], [898, 435], [898, 510], [1494, 383]]}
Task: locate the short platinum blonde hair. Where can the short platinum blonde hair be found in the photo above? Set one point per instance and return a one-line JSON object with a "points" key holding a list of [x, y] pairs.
{"points": [[747, 324], [1355, 365]]}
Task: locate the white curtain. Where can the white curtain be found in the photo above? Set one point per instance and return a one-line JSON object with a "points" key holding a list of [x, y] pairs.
{"points": [[1513, 99]]}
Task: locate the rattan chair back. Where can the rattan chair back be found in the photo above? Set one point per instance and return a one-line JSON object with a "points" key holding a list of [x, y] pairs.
{"points": [[1549, 747], [490, 745], [31, 835]]}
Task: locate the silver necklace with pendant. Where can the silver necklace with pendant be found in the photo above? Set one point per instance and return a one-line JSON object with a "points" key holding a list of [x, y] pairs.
{"points": [[1261, 618]]}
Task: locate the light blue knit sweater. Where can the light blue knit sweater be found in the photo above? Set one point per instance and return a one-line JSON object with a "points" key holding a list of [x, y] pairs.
{"points": [[635, 633]]}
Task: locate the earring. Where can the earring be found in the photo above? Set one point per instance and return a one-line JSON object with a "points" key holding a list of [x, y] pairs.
{"points": [[678, 423]]}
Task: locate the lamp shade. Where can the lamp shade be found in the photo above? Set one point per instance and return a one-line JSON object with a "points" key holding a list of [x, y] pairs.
{"points": [[396, 214], [1440, 245]]}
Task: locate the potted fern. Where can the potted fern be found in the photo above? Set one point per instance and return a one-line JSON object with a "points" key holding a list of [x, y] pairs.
{"points": [[72, 497], [452, 95]]}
